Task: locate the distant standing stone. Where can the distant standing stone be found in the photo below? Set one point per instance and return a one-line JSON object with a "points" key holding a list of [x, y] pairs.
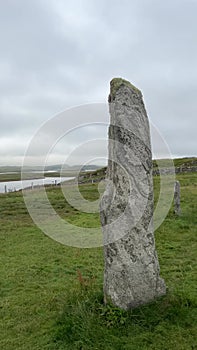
{"points": [[177, 198], [131, 276]]}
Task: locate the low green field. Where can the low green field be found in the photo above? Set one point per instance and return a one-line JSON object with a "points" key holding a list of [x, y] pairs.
{"points": [[51, 295]]}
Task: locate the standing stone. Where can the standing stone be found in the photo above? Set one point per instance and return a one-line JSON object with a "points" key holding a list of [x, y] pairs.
{"points": [[177, 198], [131, 276]]}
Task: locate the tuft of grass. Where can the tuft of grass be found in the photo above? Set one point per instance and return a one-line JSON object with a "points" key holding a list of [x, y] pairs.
{"points": [[86, 323]]}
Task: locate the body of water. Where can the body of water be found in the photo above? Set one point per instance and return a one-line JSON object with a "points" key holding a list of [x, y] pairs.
{"points": [[11, 186]]}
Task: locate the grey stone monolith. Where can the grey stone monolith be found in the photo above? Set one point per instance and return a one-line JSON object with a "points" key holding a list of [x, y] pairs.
{"points": [[177, 198], [131, 276]]}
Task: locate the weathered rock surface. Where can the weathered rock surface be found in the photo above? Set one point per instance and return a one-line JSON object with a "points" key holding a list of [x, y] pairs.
{"points": [[131, 276], [177, 198]]}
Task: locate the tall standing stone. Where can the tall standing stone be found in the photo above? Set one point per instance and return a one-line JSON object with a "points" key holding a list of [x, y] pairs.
{"points": [[131, 276]]}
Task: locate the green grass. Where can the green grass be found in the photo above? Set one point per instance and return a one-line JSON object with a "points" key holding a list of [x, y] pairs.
{"points": [[51, 295]]}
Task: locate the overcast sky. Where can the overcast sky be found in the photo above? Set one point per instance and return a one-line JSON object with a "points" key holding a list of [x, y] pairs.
{"points": [[56, 54]]}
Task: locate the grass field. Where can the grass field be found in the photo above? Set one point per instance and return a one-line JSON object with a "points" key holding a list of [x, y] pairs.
{"points": [[51, 295]]}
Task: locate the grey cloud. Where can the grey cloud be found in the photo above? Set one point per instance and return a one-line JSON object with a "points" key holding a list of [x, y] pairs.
{"points": [[55, 54]]}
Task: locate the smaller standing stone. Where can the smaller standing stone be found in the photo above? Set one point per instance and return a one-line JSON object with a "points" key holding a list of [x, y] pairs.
{"points": [[177, 196]]}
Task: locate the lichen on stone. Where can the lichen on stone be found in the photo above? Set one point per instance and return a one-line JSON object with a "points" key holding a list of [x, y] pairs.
{"points": [[116, 83]]}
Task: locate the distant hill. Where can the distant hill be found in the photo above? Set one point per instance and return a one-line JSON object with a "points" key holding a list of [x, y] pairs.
{"points": [[184, 162], [179, 163], [56, 168], [11, 168]]}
